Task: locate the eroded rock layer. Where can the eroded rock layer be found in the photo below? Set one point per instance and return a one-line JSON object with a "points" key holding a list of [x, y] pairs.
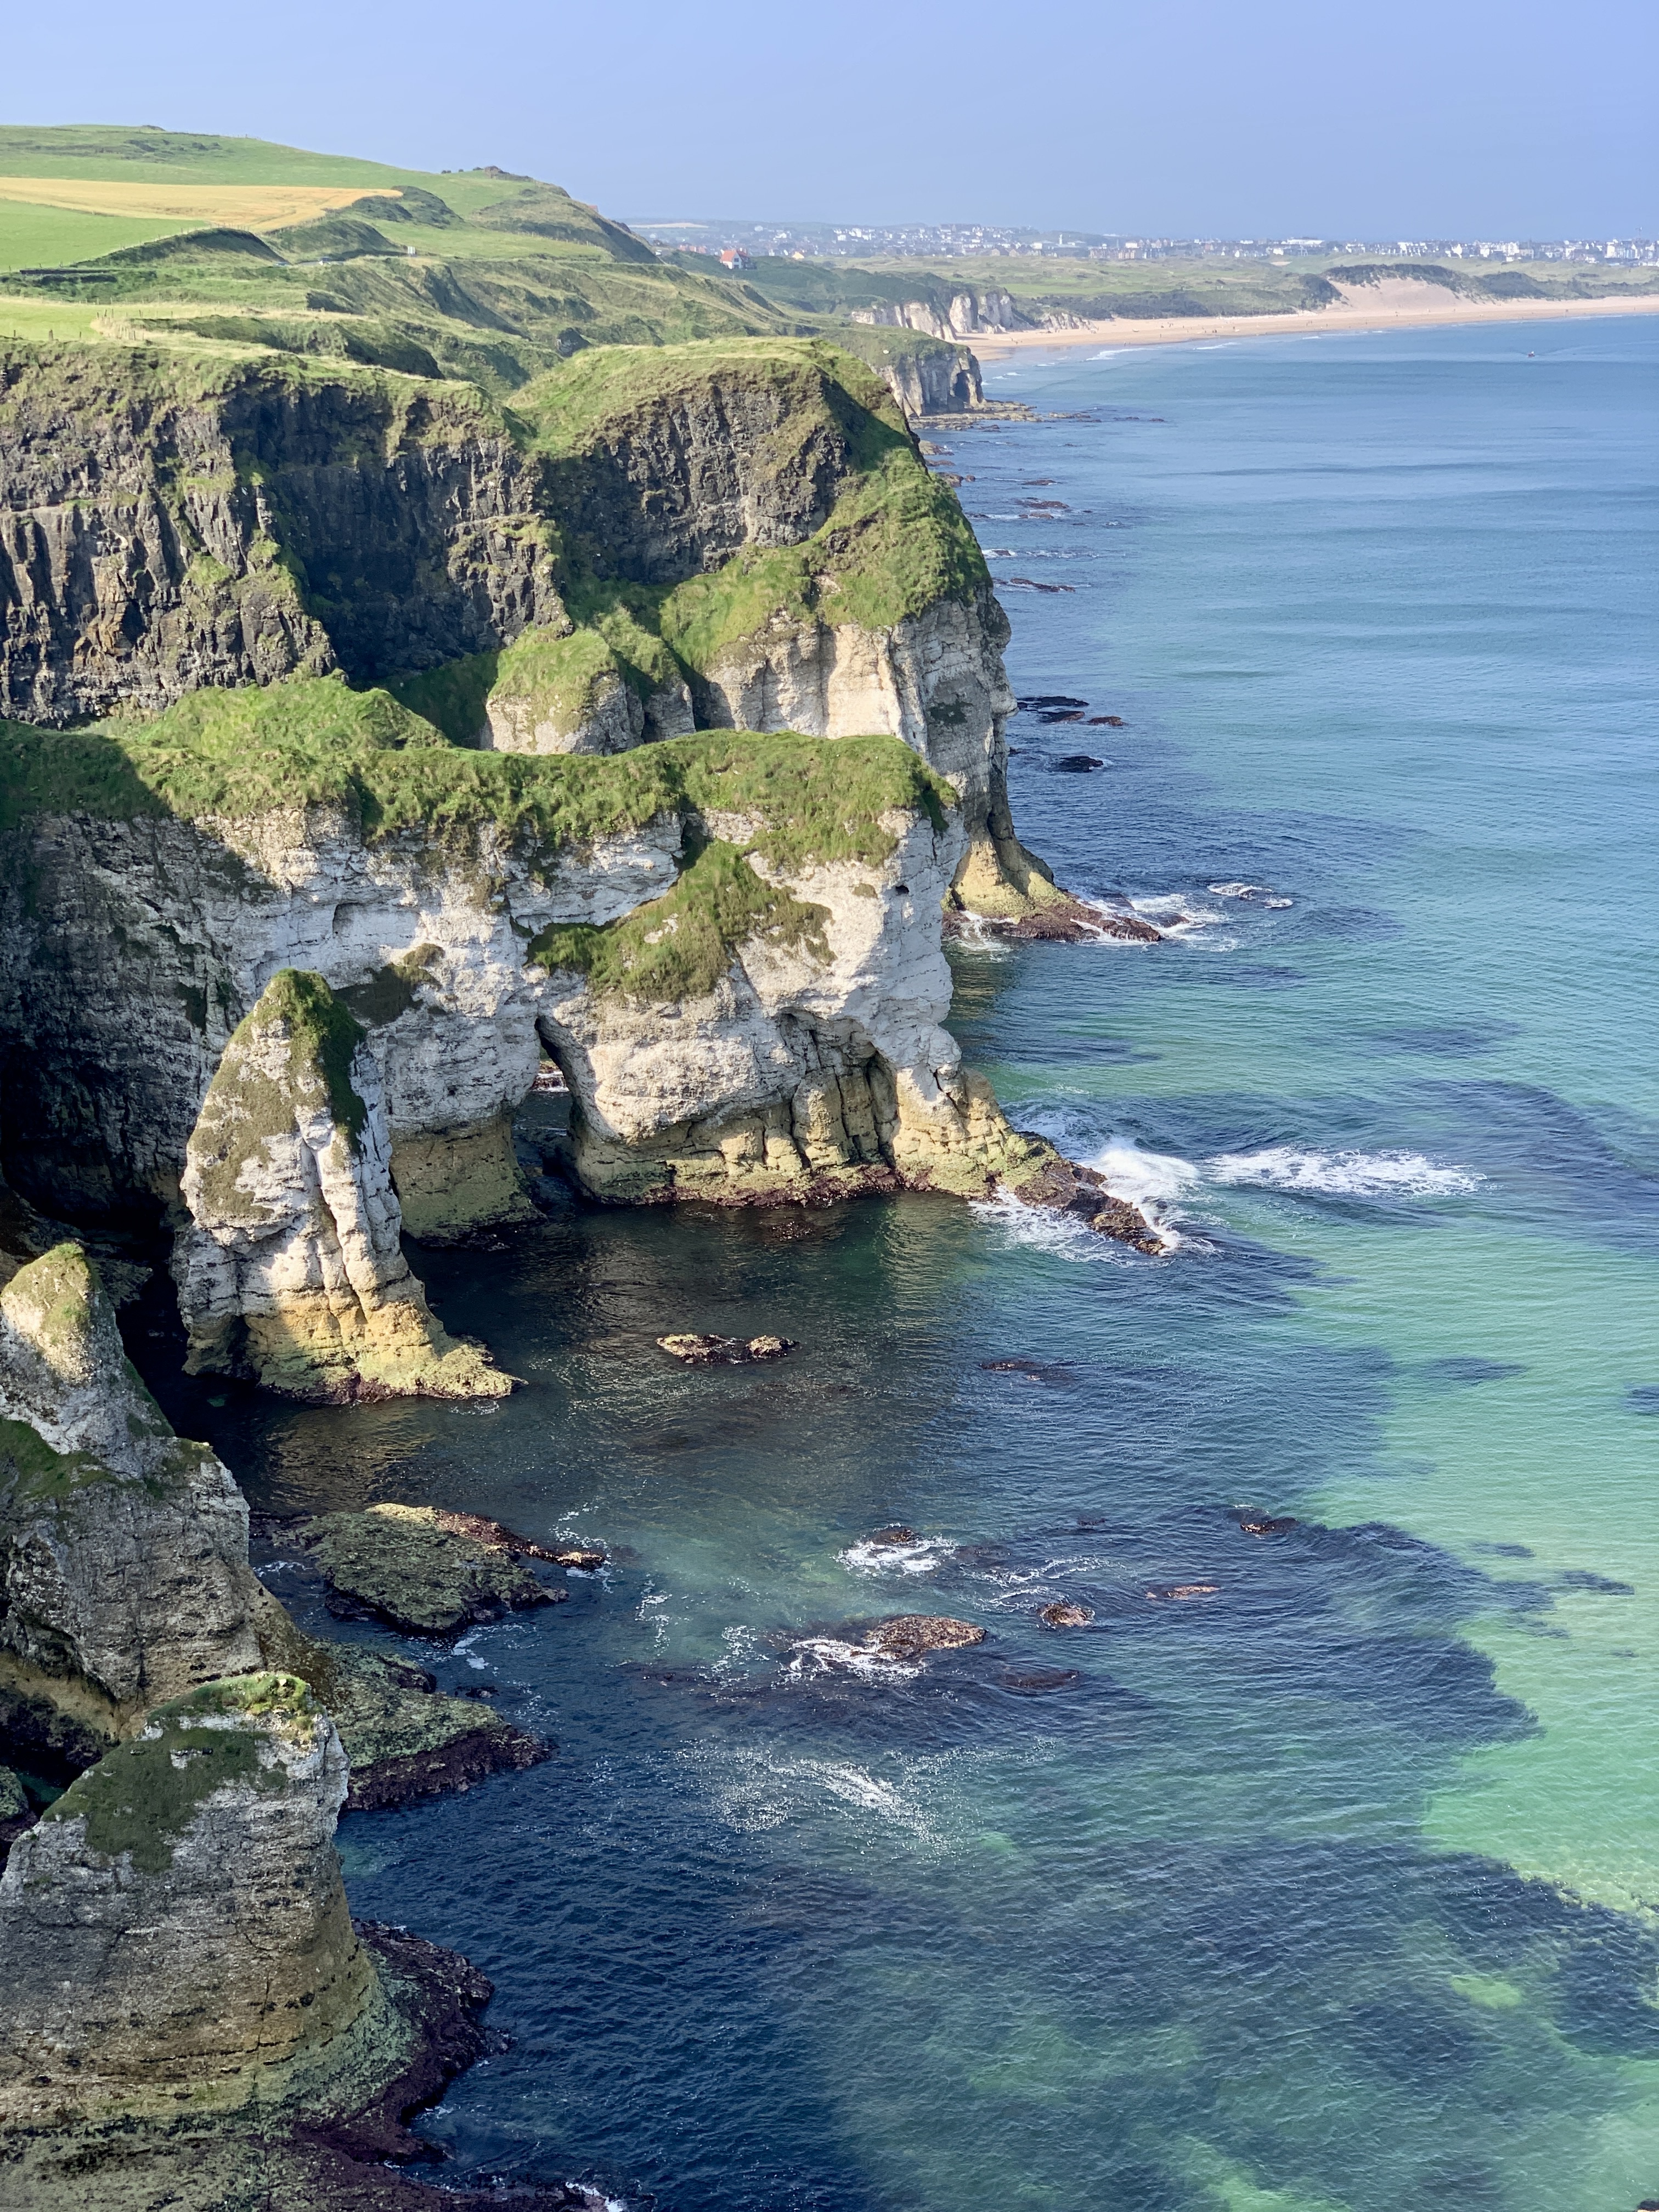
{"points": [[292, 1272], [177, 1920]]}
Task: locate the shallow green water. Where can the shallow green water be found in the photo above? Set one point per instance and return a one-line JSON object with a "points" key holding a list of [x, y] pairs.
{"points": [[1330, 1891]]}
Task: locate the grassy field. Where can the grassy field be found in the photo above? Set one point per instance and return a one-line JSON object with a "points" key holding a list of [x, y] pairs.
{"points": [[51, 237], [116, 153], [246, 207]]}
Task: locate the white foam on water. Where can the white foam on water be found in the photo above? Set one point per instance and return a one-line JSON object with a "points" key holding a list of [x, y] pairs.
{"points": [[1349, 1174], [920, 1557], [463, 1649], [1257, 894], [829, 1655], [1062, 1234]]}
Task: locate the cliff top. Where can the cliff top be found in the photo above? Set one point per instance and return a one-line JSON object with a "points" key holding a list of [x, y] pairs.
{"points": [[314, 742], [142, 1797]]}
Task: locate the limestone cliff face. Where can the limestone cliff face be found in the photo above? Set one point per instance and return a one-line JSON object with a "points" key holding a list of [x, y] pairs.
{"points": [[176, 1921], [815, 1061], [123, 1574], [425, 947], [166, 528], [462, 960], [935, 679], [162, 528], [292, 1272], [934, 382], [967, 315]]}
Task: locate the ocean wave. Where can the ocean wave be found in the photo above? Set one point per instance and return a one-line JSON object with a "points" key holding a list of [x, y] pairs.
{"points": [[1349, 1174], [920, 1558], [1041, 1230], [816, 1655], [1256, 894]]}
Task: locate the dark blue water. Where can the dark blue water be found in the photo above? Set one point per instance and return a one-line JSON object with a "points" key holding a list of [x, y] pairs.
{"points": [[1329, 1890]]}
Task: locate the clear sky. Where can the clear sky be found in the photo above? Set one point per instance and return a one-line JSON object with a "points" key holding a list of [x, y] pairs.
{"points": [[1240, 118]]}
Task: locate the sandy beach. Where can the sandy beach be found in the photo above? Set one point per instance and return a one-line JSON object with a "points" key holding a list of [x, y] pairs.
{"points": [[1397, 305]]}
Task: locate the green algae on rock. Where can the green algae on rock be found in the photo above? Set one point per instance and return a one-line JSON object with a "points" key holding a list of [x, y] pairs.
{"points": [[176, 1921], [292, 1272], [402, 1564]]}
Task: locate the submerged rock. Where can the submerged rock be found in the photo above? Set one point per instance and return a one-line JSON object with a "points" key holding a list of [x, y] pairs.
{"points": [[1267, 1524], [405, 1740], [1066, 1612], [913, 1635], [423, 1573], [706, 1351]]}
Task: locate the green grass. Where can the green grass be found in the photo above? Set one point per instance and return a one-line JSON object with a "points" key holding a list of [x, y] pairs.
{"points": [[142, 1797], [322, 1035], [680, 945], [312, 741], [556, 682], [50, 238]]}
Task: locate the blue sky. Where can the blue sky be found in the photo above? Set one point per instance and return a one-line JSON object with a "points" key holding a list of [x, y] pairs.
{"points": [[1280, 117]]}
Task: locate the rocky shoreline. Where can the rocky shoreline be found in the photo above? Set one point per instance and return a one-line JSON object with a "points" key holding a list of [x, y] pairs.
{"points": [[649, 758]]}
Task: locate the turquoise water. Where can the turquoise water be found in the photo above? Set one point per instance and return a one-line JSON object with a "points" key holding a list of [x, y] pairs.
{"points": [[1332, 1890]]}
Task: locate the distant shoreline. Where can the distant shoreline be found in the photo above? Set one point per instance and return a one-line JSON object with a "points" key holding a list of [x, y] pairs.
{"points": [[1178, 329]]}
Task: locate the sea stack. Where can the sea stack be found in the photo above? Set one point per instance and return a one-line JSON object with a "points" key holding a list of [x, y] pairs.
{"points": [[175, 1925], [291, 1273]]}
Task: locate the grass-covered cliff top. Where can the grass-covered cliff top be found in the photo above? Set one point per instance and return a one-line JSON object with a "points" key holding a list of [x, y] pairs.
{"points": [[142, 1798], [181, 239], [896, 541], [315, 742]]}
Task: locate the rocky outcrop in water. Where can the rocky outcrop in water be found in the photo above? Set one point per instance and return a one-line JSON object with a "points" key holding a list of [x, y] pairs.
{"points": [[123, 1574], [401, 1565], [176, 1921], [292, 1273]]}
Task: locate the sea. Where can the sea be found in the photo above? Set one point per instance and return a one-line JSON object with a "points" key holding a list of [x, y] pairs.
{"points": [[1318, 1871]]}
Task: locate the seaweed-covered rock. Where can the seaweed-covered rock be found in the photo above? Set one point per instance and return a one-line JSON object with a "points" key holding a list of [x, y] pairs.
{"points": [[401, 1564], [293, 1272], [699, 1349], [176, 1921], [403, 1739], [123, 1574], [913, 1635]]}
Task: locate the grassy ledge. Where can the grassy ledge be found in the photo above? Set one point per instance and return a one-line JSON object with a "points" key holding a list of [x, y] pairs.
{"points": [[314, 742]]}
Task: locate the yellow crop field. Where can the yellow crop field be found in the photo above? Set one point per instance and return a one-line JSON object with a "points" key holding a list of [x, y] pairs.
{"points": [[247, 207]]}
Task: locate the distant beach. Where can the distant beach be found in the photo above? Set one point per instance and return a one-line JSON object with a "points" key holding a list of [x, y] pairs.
{"points": [[1394, 304]]}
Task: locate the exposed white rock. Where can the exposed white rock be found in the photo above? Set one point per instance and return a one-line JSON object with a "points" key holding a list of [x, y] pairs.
{"points": [[177, 1921], [123, 1549], [292, 1271]]}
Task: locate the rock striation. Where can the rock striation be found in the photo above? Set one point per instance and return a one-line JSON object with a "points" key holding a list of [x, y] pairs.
{"points": [[123, 1573], [176, 1920], [292, 1272], [730, 944], [733, 534]]}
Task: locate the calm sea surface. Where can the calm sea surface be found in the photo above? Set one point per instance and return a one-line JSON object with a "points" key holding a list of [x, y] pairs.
{"points": [[1332, 1890]]}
